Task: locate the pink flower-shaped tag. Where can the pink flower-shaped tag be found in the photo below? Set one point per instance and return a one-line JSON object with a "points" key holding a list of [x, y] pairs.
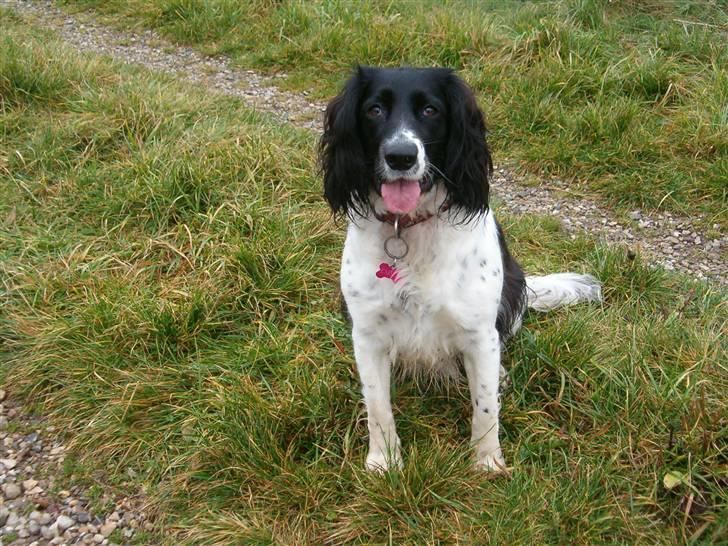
{"points": [[387, 271]]}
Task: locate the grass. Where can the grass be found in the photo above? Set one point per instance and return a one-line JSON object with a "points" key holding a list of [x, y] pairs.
{"points": [[622, 99], [167, 285]]}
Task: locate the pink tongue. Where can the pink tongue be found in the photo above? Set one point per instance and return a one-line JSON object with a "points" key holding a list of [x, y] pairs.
{"points": [[400, 196]]}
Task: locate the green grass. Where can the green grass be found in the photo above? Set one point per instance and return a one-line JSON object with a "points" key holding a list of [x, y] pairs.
{"points": [[624, 99], [167, 295]]}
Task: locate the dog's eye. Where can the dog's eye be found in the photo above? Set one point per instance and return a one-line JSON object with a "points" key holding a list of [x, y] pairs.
{"points": [[429, 111], [375, 111]]}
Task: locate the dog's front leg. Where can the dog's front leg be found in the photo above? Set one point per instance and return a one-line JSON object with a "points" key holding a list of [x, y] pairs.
{"points": [[374, 365], [482, 365]]}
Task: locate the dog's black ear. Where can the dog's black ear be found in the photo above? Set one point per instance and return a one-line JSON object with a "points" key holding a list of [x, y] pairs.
{"points": [[468, 165], [341, 153]]}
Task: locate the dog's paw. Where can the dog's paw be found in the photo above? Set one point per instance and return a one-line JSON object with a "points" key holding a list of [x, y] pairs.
{"points": [[492, 462], [378, 461]]}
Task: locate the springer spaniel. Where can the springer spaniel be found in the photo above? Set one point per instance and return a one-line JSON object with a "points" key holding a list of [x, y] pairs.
{"points": [[426, 276]]}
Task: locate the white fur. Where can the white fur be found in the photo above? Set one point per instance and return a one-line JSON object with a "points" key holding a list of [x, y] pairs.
{"points": [[417, 171], [444, 307], [550, 291]]}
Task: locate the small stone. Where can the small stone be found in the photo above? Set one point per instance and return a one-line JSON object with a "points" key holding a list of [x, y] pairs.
{"points": [[4, 424], [11, 491], [29, 484], [63, 522], [23, 533], [98, 538], [108, 528], [4, 514], [3, 394], [13, 520], [8, 463], [45, 518], [34, 528], [48, 532], [83, 517]]}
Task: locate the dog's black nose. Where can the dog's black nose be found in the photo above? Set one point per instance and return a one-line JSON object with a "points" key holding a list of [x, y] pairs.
{"points": [[400, 155]]}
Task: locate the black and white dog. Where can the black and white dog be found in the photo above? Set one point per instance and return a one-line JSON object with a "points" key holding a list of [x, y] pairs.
{"points": [[426, 275]]}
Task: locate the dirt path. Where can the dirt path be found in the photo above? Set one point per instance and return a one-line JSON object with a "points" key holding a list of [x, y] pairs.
{"points": [[666, 239]]}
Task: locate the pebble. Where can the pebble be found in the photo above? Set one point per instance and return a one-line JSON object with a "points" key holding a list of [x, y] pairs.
{"points": [[11, 491], [63, 522], [107, 528], [8, 463], [34, 528]]}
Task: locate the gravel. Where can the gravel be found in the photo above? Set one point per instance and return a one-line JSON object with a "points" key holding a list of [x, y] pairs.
{"points": [[35, 507], [669, 240]]}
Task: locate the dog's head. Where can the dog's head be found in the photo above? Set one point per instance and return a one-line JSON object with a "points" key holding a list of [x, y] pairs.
{"points": [[393, 137]]}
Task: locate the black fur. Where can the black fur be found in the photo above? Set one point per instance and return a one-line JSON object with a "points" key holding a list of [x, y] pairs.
{"points": [[454, 141], [513, 294]]}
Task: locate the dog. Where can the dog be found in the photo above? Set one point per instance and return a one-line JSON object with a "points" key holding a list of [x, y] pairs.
{"points": [[426, 277]]}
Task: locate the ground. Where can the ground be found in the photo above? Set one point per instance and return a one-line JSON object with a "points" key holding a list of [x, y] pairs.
{"points": [[169, 307]]}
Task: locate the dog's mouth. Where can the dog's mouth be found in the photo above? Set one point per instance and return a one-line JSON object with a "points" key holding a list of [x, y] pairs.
{"points": [[401, 195]]}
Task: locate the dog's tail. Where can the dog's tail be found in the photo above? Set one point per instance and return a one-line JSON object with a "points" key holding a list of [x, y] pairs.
{"points": [[550, 291]]}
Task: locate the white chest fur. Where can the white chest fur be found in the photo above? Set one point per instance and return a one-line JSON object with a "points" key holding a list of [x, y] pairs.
{"points": [[448, 293]]}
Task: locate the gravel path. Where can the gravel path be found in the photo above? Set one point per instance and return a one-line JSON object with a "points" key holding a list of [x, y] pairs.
{"points": [[34, 509], [664, 238]]}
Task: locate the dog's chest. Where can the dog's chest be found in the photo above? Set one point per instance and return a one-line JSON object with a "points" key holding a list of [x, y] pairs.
{"points": [[447, 292]]}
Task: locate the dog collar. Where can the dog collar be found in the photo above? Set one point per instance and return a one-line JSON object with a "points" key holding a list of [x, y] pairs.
{"points": [[395, 246], [406, 220]]}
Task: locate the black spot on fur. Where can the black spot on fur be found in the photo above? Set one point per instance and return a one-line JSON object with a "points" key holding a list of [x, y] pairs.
{"points": [[485, 410]]}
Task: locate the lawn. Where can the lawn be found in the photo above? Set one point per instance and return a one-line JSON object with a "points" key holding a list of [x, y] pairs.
{"points": [[626, 100], [168, 296]]}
